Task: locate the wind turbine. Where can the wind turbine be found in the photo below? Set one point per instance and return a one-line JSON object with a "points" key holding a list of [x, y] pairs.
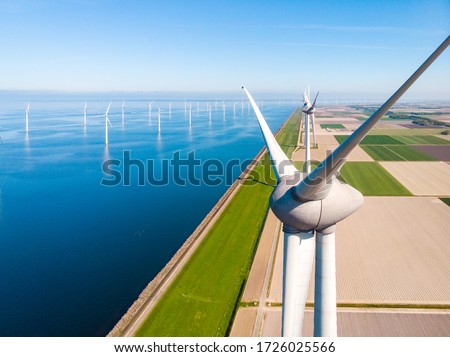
{"points": [[106, 124], [159, 120], [123, 113], [27, 113], [311, 204], [309, 118], [190, 114], [85, 114]]}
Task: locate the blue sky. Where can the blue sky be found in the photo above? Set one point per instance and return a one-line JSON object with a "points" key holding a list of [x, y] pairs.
{"points": [[363, 47]]}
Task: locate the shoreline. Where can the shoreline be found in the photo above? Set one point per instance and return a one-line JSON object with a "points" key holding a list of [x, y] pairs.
{"points": [[151, 294]]}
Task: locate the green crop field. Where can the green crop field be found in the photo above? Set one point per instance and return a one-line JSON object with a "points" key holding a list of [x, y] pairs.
{"points": [[446, 200], [371, 179], [409, 153], [287, 138], [396, 153], [406, 132], [381, 153], [340, 138], [373, 140], [421, 140], [332, 126], [202, 298]]}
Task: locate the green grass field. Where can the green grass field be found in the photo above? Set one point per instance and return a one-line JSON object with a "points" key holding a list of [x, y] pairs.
{"points": [[406, 132], [371, 179], [373, 140], [397, 147], [202, 299], [446, 200], [396, 153], [332, 126], [287, 138], [421, 140]]}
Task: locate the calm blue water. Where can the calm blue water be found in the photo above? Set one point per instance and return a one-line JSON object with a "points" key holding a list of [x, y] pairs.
{"points": [[74, 254]]}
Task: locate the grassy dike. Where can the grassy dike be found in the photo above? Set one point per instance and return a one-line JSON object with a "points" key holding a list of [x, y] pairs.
{"points": [[202, 298]]}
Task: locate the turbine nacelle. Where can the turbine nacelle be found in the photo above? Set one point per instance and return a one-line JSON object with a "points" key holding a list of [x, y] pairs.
{"points": [[340, 202], [309, 108]]}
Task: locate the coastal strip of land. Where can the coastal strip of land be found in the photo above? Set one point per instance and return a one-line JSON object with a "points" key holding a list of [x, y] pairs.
{"points": [[196, 293]]}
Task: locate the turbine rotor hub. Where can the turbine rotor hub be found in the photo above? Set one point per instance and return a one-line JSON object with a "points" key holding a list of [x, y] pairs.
{"points": [[341, 201]]}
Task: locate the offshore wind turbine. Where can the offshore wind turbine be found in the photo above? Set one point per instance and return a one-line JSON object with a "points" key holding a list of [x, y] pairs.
{"points": [[310, 205], [106, 124], [27, 113], [308, 110], [123, 113], [85, 114], [159, 120], [190, 114]]}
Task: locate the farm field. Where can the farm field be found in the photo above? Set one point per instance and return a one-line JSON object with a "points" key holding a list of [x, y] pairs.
{"points": [[373, 140], [332, 126], [403, 147], [396, 153], [371, 179], [421, 140]]}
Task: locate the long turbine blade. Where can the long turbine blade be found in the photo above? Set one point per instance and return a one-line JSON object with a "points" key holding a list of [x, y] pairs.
{"points": [[313, 186], [315, 99], [305, 96], [282, 165], [107, 110]]}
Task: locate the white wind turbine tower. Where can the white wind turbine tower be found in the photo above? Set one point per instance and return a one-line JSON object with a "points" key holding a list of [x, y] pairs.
{"points": [[85, 114], [159, 120], [309, 118], [311, 204], [223, 109], [190, 114], [123, 113], [106, 124], [27, 113]]}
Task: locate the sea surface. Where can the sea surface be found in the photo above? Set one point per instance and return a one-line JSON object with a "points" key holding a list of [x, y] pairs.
{"points": [[76, 253]]}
